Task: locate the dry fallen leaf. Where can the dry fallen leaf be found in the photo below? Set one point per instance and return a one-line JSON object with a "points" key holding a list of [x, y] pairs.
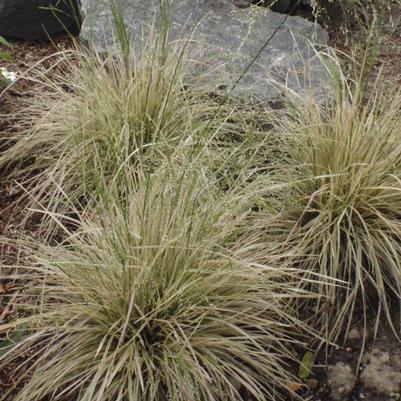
{"points": [[295, 387]]}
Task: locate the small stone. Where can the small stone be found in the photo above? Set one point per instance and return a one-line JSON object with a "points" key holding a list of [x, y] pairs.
{"points": [[312, 384], [379, 376], [384, 357], [354, 335], [355, 338], [341, 380]]}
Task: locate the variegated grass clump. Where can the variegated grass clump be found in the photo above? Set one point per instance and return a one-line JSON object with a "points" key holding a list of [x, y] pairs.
{"points": [[339, 207], [96, 116], [158, 297]]}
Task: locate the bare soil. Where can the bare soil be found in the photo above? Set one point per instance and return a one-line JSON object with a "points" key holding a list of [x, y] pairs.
{"points": [[12, 207]]}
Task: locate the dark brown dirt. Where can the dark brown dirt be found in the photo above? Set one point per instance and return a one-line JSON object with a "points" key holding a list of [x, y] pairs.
{"points": [[12, 209], [374, 372]]}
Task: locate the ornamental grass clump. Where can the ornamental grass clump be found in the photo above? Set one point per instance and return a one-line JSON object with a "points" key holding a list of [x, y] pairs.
{"points": [[146, 302], [339, 208], [96, 114]]}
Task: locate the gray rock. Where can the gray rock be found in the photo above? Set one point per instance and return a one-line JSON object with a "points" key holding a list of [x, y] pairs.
{"points": [[342, 380], [33, 19], [379, 375], [225, 41]]}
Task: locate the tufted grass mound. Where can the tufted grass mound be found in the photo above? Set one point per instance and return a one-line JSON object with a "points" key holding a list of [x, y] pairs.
{"points": [[96, 115], [158, 299], [339, 209]]}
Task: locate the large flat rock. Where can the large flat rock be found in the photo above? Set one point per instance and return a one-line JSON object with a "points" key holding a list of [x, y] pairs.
{"points": [[225, 40]]}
